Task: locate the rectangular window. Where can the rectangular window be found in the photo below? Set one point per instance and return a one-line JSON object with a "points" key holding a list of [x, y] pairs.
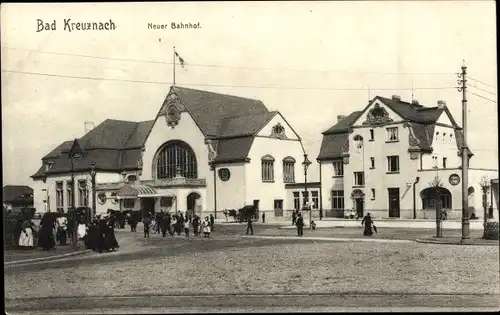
{"points": [[359, 178], [444, 162], [393, 164], [372, 162], [288, 172], [296, 200], [315, 199], [128, 203], [373, 194], [372, 134], [278, 204], [69, 193], [267, 171], [338, 168], [435, 162], [83, 193], [337, 199], [59, 196], [166, 202], [392, 134], [305, 197]]}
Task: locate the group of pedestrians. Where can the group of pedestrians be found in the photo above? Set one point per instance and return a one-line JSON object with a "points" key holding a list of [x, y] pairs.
{"points": [[165, 223], [99, 235]]}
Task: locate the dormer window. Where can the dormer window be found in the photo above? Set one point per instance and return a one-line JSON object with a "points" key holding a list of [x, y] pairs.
{"points": [[132, 178], [48, 165]]}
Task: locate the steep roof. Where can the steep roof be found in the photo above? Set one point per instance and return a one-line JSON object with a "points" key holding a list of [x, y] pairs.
{"points": [[209, 109], [115, 145], [13, 193], [421, 119], [344, 124]]}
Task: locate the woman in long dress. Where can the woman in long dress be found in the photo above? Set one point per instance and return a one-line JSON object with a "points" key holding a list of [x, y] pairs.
{"points": [[206, 228], [26, 237], [367, 221]]}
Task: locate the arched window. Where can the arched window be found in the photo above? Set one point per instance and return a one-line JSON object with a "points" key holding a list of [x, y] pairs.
{"points": [[431, 194], [358, 141], [176, 158], [289, 170], [267, 168]]}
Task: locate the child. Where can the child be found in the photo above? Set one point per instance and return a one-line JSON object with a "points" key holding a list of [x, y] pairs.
{"points": [[186, 228], [313, 225]]}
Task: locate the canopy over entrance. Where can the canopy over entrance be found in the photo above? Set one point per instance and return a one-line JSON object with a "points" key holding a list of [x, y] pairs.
{"points": [[133, 191]]}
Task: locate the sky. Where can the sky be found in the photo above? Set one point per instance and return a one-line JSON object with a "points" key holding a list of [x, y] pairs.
{"points": [[311, 61]]}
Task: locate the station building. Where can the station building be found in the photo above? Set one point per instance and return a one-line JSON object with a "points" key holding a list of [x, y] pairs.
{"points": [[203, 152]]}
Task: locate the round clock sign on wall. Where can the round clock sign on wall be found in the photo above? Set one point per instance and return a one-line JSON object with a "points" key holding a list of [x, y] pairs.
{"points": [[454, 179]]}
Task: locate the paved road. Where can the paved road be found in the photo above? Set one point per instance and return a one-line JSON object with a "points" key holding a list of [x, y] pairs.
{"points": [[228, 237], [255, 303]]}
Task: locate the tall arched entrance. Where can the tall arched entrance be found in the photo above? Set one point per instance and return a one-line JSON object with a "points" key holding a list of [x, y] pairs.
{"points": [[194, 204]]}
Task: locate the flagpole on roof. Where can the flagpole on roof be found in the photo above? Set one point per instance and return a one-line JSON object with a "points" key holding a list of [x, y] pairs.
{"points": [[174, 65]]}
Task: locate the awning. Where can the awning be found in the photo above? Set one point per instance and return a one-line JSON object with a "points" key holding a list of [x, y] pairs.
{"points": [[133, 191]]}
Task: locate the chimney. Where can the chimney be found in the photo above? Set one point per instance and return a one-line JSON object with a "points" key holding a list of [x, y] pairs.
{"points": [[89, 125], [396, 97], [441, 104], [340, 117], [415, 102]]}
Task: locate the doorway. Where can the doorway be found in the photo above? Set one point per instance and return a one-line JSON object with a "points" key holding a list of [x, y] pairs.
{"points": [[360, 207], [148, 206], [393, 202], [193, 204]]}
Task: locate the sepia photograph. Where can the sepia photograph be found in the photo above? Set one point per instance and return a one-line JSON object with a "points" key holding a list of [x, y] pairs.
{"points": [[250, 157]]}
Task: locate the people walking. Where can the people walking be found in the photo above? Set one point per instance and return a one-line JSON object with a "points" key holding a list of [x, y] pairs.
{"points": [[147, 223], [186, 228], [206, 227], [46, 235], [300, 225], [263, 217], [26, 236], [368, 222], [62, 226], [212, 222], [294, 217], [110, 239], [249, 226]]}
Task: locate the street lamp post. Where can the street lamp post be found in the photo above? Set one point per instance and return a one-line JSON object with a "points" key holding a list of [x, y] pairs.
{"points": [[306, 165], [485, 186], [92, 175], [74, 236]]}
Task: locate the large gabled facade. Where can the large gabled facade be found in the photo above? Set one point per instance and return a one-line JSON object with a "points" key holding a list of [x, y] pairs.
{"points": [[203, 151], [384, 158]]}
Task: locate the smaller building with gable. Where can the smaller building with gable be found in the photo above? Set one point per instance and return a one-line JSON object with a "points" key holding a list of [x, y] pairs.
{"points": [[397, 159]]}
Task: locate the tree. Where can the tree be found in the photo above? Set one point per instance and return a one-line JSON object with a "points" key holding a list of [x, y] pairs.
{"points": [[436, 183]]}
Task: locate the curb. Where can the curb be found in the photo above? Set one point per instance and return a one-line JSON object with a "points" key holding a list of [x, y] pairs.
{"points": [[331, 239], [43, 259], [455, 242]]}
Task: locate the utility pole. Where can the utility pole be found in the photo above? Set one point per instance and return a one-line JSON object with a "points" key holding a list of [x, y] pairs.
{"points": [[465, 156]]}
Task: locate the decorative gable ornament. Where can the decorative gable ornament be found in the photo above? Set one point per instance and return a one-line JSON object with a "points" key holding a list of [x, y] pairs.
{"points": [[377, 116], [278, 131], [171, 110], [413, 142], [212, 154]]}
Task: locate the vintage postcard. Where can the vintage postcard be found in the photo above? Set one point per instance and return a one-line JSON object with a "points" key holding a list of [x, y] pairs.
{"points": [[228, 157]]}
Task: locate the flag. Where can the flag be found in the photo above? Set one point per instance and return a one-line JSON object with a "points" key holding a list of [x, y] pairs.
{"points": [[180, 60]]}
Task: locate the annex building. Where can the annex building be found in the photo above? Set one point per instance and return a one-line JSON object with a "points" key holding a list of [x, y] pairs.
{"points": [[385, 159], [203, 152]]}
